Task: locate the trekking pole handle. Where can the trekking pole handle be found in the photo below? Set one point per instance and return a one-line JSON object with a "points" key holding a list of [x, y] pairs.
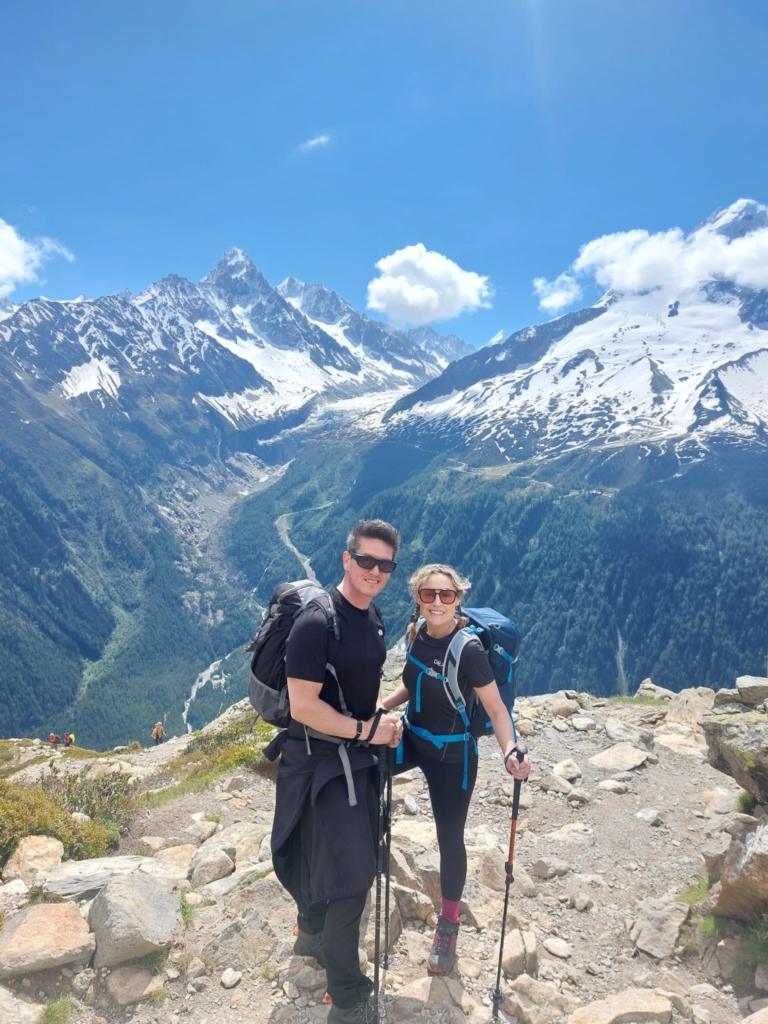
{"points": [[520, 754]]}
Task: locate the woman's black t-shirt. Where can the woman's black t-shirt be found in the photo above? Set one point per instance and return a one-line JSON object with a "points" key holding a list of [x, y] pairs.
{"points": [[358, 657], [438, 714]]}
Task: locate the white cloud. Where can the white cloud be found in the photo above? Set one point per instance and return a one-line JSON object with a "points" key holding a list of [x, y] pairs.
{"points": [[417, 286], [554, 295], [732, 245], [22, 259], [310, 144]]}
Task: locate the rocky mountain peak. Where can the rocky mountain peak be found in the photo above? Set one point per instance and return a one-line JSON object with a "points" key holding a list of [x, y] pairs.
{"points": [[315, 301], [739, 219], [236, 279]]}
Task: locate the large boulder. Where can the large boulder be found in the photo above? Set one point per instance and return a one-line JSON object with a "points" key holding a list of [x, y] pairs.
{"points": [[621, 757], [33, 854], [133, 915], [210, 864], [622, 732], [657, 925], [44, 936], [245, 836], [744, 877], [687, 707], [132, 984], [634, 1004], [753, 690], [738, 746], [15, 1011], [83, 879]]}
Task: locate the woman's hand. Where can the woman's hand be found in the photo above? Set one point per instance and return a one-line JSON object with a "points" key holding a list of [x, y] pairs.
{"points": [[517, 769]]}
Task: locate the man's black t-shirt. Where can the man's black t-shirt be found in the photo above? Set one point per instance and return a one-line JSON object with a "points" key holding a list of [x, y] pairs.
{"points": [[358, 657], [438, 714]]}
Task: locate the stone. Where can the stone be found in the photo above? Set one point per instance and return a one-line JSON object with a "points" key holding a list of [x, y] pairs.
{"points": [[412, 904], [621, 757], [657, 925], [42, 937], [245, 836], [79, 817], [582, 723], [223, 886], [573, 832], [752, 690], [235, 785], [622, 732], [680, 739], [563, 707], [613, 786], [33, 854], [411, 805], [744, 877], [567, 769], [440, 993], [579, 797], [761, 1017], [250, 941], [550, 867], [632, 1006], [201, 830], [133, 915], [11, 895], [761, 978], [649, 815], [558, 947], [520, 954], [231, 978], [728, 953], [581, 901], [15, 1011], [559, 724], [179, 857], [83, 879], [555, 784], [713, 851], [132, 984], [544, 994], [649, 689], [154, 843], [209, 864], [726, 696], [738, 746], [687, 707]]}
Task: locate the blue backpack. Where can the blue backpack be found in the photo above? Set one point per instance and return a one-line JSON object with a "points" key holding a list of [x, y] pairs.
{"points": [[501, 640]]}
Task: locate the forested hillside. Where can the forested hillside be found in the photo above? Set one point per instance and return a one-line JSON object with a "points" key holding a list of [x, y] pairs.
{"points": [[608, 584]]}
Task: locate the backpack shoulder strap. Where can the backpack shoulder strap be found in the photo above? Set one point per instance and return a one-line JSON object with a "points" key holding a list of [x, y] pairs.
{"points": [[452, 660]]}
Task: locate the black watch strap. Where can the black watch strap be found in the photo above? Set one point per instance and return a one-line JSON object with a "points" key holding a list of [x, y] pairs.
{"points": [[359, 729]]}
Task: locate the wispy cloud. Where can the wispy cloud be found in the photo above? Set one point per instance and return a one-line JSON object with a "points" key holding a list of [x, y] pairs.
{"points": [[21, 259], [310, 144], [417, 286], [731, 245]]}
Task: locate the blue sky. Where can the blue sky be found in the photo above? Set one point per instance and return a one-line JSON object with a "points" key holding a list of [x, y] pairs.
{"points": [[147, 138]]}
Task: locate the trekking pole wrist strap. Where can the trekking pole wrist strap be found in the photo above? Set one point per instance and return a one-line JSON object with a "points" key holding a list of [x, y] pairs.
{"points": [[374, 725]]}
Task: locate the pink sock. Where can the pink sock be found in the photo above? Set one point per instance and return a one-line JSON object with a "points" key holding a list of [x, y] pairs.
{"points": [[450, 909]]}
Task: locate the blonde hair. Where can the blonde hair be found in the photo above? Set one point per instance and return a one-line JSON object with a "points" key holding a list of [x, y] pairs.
{"points": [[458, 582]]}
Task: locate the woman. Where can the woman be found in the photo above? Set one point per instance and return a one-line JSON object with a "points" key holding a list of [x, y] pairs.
{"points": [[449, 765]]}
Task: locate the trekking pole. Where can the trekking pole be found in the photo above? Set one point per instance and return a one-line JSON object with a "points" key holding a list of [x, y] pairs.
{"points": [[385, 960], [380, 852], [495, 994]]}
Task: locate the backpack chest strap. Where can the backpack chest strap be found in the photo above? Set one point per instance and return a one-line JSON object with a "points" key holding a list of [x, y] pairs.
{"points": [[424, 669]]}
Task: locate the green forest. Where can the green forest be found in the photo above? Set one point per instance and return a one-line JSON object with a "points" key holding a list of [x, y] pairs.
{"points": [[608, 585]]}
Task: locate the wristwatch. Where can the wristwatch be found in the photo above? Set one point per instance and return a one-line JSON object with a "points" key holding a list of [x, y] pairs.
{"points": [[359, 729]]}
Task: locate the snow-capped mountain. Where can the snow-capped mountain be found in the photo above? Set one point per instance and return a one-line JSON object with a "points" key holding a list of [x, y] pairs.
{"points": [[677, 367], [230, 344], [7, 308]]}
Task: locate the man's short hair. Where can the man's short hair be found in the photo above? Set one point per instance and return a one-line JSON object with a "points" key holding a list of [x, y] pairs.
{"points": [[374, 529]]}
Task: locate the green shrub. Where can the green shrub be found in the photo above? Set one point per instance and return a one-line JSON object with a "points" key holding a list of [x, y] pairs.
{"points": [[712, 928], [754, 945], [745, 802], [696, 892], [108, 799], [154, 961], [57, 1011], [134, 746], [35, 812]]}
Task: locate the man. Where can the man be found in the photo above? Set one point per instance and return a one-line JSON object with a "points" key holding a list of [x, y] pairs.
{"points": [[325, 828], [158, 733]]}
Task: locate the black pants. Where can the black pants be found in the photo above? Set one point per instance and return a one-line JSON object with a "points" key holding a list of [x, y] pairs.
{"points": [[450, 806], [339, 921]]}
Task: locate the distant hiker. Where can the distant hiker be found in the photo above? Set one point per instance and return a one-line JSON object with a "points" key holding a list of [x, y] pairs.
{"points": [[158, 733], [71, 739], [54, 740], [67, 740], [437, 739], [324, 838]]}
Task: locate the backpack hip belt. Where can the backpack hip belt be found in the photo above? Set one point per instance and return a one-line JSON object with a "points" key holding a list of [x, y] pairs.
{"points": [[440, 741]]}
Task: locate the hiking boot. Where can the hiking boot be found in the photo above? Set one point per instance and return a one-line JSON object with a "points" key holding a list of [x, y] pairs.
{"points": [[310, 945], [360, 1013], [442, 959]]}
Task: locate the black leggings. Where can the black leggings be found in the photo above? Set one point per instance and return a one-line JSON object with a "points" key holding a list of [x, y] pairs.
{"points": [[450, 806]]}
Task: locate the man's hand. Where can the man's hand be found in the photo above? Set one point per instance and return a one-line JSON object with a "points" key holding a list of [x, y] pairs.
{"points": [[388, 731]]}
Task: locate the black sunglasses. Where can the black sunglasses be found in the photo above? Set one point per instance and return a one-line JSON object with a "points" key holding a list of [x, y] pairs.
{"points": [[386, 565], [428, 595]]}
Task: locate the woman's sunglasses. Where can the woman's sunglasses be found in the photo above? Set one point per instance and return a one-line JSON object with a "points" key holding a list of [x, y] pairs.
{"points": [[427, 596], [368, 561]]}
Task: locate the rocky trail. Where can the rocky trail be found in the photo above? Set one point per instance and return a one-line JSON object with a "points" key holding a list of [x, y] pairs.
{"points": [[622, 818]]}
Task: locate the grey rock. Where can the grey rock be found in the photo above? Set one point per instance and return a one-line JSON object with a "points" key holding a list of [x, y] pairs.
{"points": [[550, 867], [713, 851], [753, 690], [83, 879], [15, 1011], [649, 815], [208, 865], [567, 769], [657, 925], [613, 786], [738, 746], [133, 915], [726, 696], [231, 978], [555, 784], [201, 830], [622, 732], [744, 878], [42, 937]]}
